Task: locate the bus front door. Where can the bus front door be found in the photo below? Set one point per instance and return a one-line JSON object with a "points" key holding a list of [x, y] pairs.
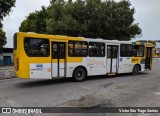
{"points": [[58, 59], [112, 59], [148, 59]]}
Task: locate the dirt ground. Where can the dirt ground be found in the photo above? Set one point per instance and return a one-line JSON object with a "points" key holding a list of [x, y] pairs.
{"points": [[6, 72]]}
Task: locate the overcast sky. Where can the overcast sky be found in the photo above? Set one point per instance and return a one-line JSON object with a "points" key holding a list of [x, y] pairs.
{"points": [[147, 15]]}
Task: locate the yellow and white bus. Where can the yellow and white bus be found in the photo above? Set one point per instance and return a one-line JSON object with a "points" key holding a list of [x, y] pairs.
{"points": [[143, 52], [52, 56], [157, 49]]}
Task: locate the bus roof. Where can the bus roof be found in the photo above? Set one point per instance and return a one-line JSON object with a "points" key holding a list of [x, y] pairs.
{"points": [[32, 34]]}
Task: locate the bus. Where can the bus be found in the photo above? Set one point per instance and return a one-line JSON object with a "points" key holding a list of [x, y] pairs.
{"points": [[42, 56], [144, 53], [157, 49]]}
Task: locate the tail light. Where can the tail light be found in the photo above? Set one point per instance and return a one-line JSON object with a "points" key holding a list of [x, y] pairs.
{"points": [[17, 61]]}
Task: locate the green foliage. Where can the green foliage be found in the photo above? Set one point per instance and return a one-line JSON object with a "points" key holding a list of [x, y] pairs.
{"points": [[35, 22], [149, 41], [153, 42], [5, 8], [3, 39], [87, 18]]}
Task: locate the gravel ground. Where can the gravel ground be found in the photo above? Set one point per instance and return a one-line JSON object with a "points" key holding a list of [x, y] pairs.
{"points": [[6, 72], [156, 60], [124, 91]]}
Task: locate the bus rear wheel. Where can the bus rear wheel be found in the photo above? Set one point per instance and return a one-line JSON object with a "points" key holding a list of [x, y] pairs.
{"points": [[135, 70], [79, 74]]}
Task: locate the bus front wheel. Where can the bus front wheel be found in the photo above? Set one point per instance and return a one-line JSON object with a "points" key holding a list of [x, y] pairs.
{"points": [[79, 74], [135, 70]]}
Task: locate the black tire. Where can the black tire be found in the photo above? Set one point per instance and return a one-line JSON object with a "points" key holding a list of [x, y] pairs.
{"points": [[135, 70], [79, 74]]}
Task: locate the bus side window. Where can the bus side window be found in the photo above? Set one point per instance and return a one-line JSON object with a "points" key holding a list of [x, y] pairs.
{"points": [[96, 49], [55, 51], [126, 50], [15, 41], [108, 51], [138, 51], [36, 47], [77, 49]]}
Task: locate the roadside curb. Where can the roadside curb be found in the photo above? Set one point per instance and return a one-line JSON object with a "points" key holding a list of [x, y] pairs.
{"points": [[156, 59], [11, 77], [7, 73]]}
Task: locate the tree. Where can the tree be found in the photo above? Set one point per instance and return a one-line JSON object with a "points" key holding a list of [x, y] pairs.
{"points": [[5, 8], [152, 42], [35, 22], [147, 41], [3, 39], [87, 18]]}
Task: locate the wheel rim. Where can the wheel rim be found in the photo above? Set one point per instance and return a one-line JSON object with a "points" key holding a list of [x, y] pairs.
{"points": [[79, 74], [136, 69]]}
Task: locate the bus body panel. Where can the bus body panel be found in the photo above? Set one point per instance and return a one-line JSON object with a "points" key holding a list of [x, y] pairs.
{"points": [[60, 67], [94, 66], [123, 63], [40, 70]]}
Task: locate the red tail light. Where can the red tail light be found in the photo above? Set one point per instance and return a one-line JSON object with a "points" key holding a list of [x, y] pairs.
{"points": [[17, 61]]}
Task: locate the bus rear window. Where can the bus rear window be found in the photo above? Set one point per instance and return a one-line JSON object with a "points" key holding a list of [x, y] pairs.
{"points": [[36, 47], [138, 50], [15, 41]]}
